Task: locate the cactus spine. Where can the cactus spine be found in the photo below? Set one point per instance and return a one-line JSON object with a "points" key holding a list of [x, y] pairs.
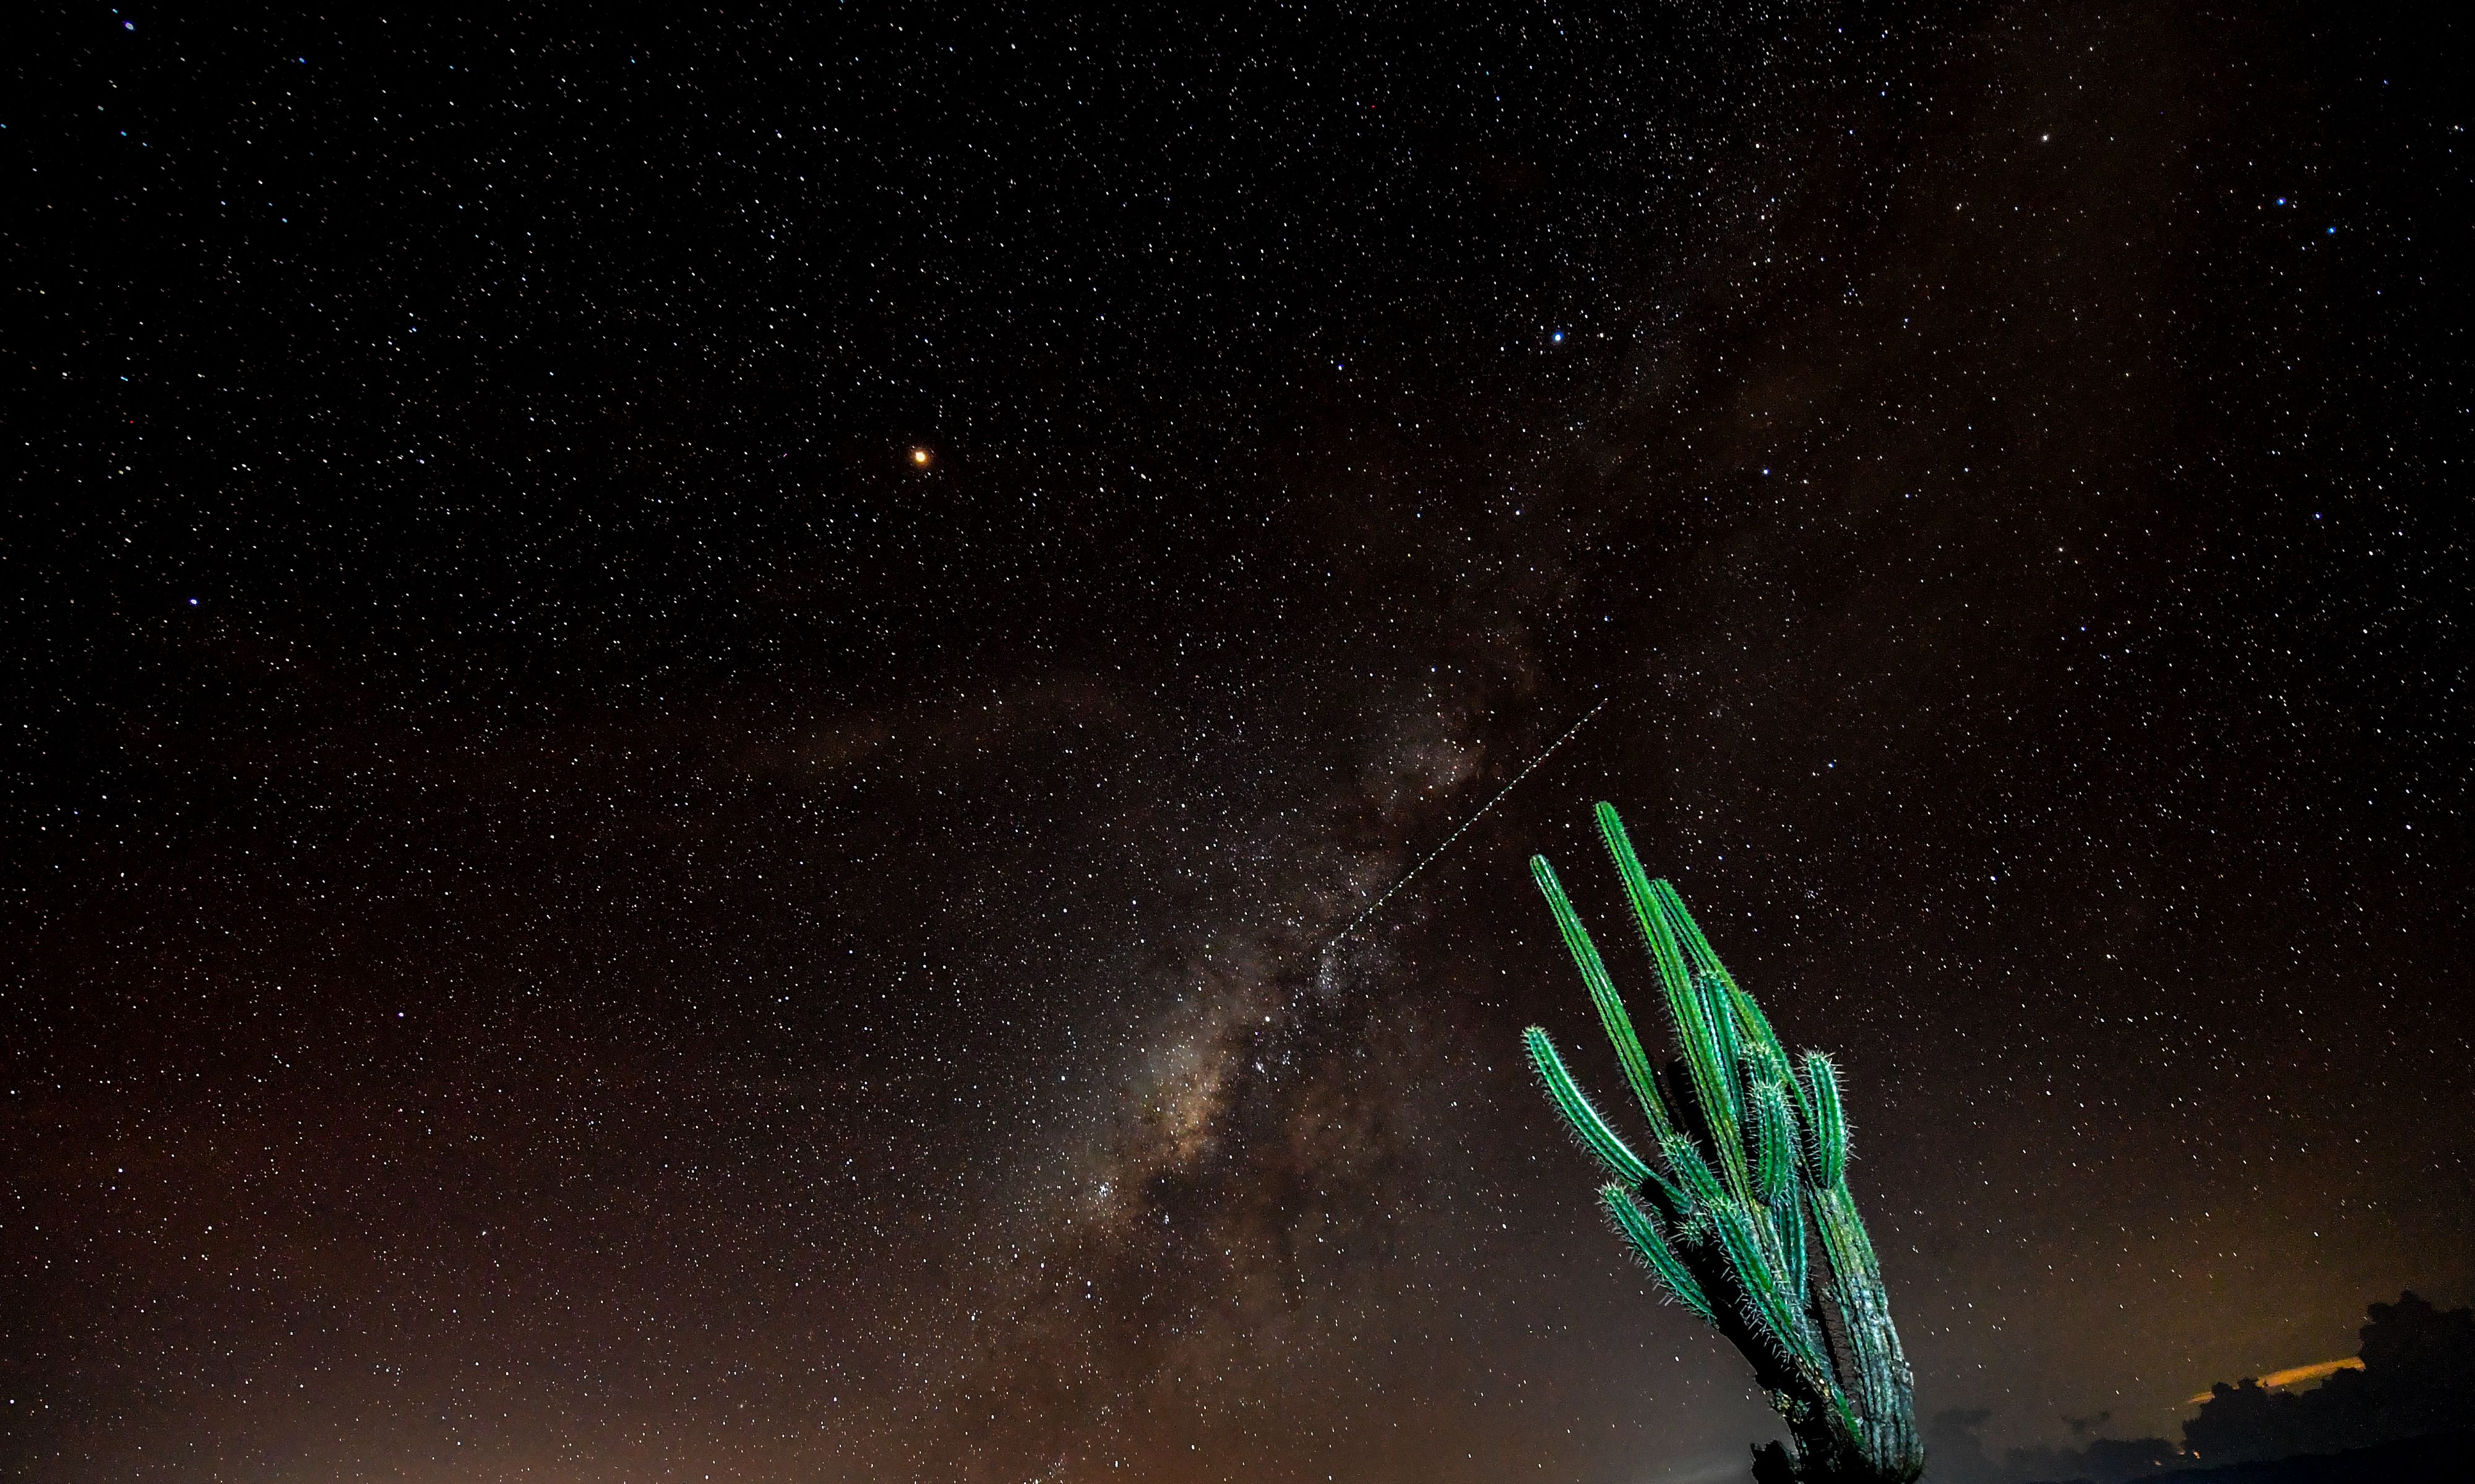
{"points": [[1751, 1173]]}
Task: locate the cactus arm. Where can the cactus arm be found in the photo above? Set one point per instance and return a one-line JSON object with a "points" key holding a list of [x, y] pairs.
{"points": [[1580, 1116], [1602, 995], [1777, 1158], [1760, 1043], [1776, 1228], [1770, 1310], [1692, 942], [1692, 1172], [1710, 1054], [1829, 1121], [1713, 986], [1773, 1146], [1651, 1245], [1789, 1220]]}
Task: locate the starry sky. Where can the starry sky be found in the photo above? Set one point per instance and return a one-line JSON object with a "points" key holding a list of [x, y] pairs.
{"points": [[689, 702]]}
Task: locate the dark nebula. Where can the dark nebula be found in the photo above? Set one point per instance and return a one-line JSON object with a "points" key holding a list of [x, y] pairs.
{"points": [[687, 698]]}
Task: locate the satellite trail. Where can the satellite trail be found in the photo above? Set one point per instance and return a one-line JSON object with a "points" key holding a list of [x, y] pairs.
{"points": [[1376, 905]]}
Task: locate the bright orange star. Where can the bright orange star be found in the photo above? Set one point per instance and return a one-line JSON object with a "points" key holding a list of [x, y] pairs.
{"points": [[919, 458]]}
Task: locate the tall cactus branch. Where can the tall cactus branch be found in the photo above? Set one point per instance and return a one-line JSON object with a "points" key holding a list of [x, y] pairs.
{"points": [[1751, 1174]]}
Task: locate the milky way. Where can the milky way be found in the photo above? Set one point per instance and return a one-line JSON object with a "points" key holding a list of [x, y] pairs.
{"points": [[575, 911]]}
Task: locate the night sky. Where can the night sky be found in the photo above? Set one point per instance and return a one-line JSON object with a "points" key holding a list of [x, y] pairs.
{"points": [[686, 702]]}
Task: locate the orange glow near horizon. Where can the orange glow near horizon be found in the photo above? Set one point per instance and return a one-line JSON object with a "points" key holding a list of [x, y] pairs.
{"points": [[2298, 1375]]}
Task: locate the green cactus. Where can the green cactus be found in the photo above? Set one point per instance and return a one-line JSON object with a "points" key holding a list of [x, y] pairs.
{"points": [[1755, 1155]]}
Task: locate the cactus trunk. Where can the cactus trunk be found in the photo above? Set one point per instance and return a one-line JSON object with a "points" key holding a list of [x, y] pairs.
{"points": [[1751, 1177]]}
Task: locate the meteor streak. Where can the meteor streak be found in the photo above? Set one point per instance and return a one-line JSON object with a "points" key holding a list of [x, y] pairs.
{"points": [[1376, 905]]}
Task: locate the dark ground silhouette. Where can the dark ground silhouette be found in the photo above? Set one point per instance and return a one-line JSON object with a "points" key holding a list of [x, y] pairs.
{"points": [[2437, 1458], [2408, 1415]]}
